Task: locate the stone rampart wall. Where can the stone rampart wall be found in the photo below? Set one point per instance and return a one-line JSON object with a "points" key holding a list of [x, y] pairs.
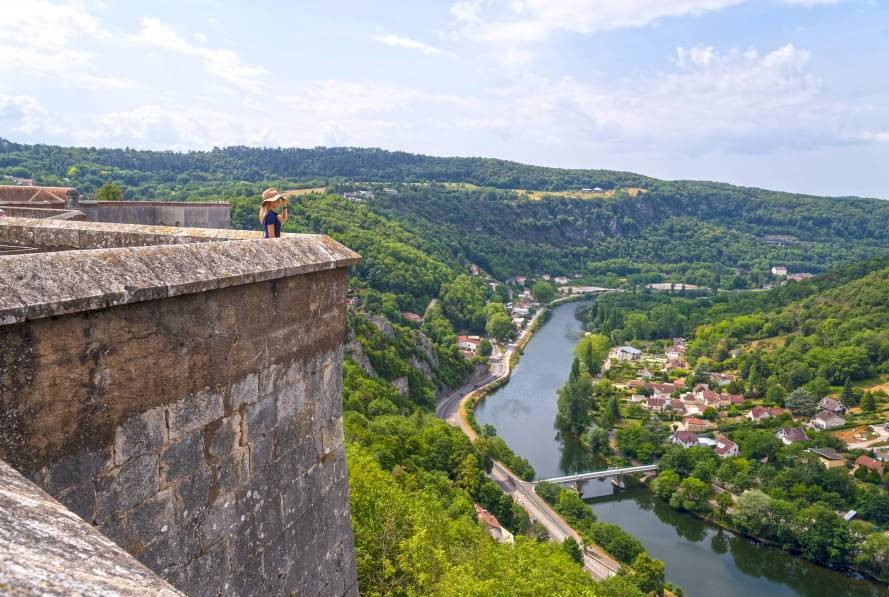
{"points": [[193, 413], [159, 213]]}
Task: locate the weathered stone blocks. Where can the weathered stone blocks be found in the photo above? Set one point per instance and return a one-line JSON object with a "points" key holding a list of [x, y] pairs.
{"points": [[140, 434], [192, 435]]}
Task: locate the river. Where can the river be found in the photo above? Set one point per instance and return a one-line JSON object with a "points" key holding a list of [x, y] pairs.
{"points": [[704, 560]]}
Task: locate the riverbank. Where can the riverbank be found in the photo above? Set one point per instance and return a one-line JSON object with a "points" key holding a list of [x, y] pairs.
{"points": [[510, 360], [454, 410], [736, 565], [728, 526]]}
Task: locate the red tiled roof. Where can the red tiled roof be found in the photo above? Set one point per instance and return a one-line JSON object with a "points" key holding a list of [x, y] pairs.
{"points": [[18, 194], [793, 434], [486, 517], [686, 437], [758, 412], [696, 421], [724, 445], [869, 463]]}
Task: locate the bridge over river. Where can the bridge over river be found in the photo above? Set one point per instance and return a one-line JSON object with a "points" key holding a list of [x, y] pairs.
{"points": [[609, 472]]}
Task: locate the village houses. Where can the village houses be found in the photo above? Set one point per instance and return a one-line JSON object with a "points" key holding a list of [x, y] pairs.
{"points": [[790, 435], [831, 405], [686, 439], [726, 448], [829, 457], [761, 413], [870, 464], [492, 525], [625, 353], [697, 425], [827, 420], [468, 345]]}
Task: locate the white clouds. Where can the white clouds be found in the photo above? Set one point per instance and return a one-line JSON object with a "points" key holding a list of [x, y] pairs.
{"points": [[698, 56], [411, 44], [875, 136], [220, 62], [20, 113], [708, 100], [50, 39], [708, 71], [811, 2], [526, 21], [695, 100]]}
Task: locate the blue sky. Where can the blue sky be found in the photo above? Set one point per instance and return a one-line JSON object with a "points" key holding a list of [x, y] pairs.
{"points": [[784, 94]]}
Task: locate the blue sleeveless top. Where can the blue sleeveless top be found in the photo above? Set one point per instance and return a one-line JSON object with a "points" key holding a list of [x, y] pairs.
{"points": [[270, 219]]}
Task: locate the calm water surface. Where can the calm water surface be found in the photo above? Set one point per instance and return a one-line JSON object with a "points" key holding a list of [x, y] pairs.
{"points": [[704, 560]]}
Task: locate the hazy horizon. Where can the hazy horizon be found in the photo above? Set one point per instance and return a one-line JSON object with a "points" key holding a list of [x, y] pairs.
{"points": [[183, 151]]}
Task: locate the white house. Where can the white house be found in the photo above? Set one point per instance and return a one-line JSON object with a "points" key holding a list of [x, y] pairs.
{"points": [[469, 343], [726, 448], [827, 420], [779, 270], [625, 353], [686, 439], [657, 404], [789, 435]]}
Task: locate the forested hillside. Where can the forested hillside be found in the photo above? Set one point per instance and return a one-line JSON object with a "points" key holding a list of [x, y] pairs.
{"points": [[642, 314], [414, 481], [834, 335], [704, 233]]}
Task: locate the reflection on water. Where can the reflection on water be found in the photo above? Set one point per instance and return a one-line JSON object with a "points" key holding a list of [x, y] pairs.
{"points": [[707, 560], [704, 560], [524, 410]]}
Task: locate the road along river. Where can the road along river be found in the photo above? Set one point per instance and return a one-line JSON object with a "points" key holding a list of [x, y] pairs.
{"points": [[704, 560]]}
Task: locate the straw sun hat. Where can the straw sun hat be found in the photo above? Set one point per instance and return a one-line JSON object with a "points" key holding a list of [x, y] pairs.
{"points": [[271, 195]]}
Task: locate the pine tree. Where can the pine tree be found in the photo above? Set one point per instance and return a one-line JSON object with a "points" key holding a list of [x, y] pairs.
{"points": [[589, 359], [847, 397], [575, 371], [868, 403]]}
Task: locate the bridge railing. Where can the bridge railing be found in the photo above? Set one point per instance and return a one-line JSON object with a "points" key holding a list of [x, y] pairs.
{"points": [[600, 474]]}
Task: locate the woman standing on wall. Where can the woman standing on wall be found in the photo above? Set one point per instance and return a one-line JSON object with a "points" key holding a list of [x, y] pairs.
{"points": [[272, 200]]}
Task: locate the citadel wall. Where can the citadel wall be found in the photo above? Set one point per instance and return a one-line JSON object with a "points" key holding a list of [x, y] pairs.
{"points": [[180, 390]]}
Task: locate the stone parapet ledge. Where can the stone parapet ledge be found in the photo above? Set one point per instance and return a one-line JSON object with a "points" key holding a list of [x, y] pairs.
{"points": [[46, 550], [42, 213], [55, 234], [167, 262], [141, 202]]}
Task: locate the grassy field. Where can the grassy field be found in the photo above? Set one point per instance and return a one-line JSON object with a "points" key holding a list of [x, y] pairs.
{"points": [[298, 192], [769, 344], [573, 194], [881, 384], [538, 195]]}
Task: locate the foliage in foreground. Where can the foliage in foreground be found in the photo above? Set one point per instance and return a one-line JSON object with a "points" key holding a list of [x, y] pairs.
{"points": [[414, 537]]}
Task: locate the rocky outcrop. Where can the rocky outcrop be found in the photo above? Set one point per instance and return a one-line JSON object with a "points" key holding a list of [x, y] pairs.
{"points": [[382, 324]]}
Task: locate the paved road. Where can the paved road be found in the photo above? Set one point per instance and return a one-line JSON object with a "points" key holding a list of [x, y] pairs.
{"points": [[597, 562]]}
